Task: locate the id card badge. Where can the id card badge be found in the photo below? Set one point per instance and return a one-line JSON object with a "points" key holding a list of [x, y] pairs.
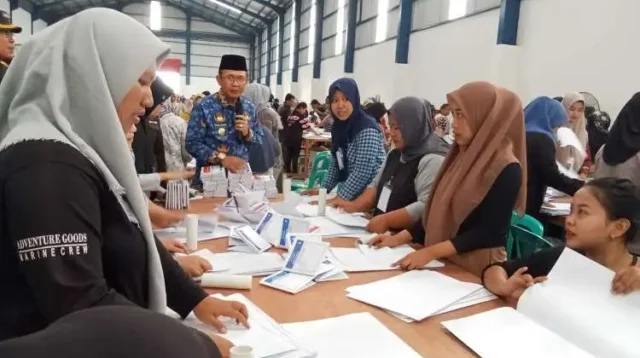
{"points": [[340, 159], [383, 200]]}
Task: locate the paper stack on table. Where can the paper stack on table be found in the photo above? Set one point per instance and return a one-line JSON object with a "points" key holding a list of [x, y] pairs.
{"points": [[349, 336], [346, 219], [177, 196], [573, 312], [245, 239], [416, 294], [556, 209], [266, 336], [239, 263], [364, 258], [243, 177], [328, 228], [266, 183], [304, 263], [208, 229], [274, 228], [214, 182]]}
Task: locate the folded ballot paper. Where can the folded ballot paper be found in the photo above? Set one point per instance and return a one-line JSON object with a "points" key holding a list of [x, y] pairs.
{"points": [[177, 196], [415, 295], [246, 239], [240, 263], [275, 227], [304, 263], [364, 258], [266, 336], [572, 314]]}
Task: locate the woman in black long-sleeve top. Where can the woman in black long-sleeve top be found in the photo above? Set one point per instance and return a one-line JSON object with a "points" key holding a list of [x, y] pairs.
{"points": [[542, 117], [479, 185], [75, 231]]}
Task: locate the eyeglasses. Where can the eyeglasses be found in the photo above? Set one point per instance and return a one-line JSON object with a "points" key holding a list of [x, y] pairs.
{"points": [[235, 79]]}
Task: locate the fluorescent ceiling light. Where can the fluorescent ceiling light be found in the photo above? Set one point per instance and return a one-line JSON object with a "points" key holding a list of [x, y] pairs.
{"points": [[155, 16], [228, 7]]}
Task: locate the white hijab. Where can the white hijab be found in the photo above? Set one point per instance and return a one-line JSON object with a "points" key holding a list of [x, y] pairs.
{"points": [[64, 85], [579, 127]]}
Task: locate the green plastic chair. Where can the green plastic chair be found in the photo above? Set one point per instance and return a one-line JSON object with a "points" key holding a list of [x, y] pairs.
{"points": [[526, 243], [316, 179], [322, 161], [526, 222]]}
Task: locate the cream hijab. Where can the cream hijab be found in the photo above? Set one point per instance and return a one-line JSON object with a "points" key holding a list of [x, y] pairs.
{"points": [[579, 127], [64, 85]]}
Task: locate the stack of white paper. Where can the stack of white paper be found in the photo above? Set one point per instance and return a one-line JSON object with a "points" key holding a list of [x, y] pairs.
{"points": [[556, 209], [415, 294], [364, 258], [328, 228], [303, 264], [214, 182], [243, 178], [239, 263], [208, 229], [506, 333], [266, 336], [275, 228], [245, 239], [346, 219], [353, 335], [573, 308], [266, 183], [177, 196]]}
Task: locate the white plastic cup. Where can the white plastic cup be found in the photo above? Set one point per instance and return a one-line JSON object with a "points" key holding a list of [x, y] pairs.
{"points": [[286, 188], [322, 201], [242, 352], [191, 221]]}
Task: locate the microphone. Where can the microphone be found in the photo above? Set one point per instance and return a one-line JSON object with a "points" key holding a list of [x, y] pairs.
{"points": [[239, 112]]}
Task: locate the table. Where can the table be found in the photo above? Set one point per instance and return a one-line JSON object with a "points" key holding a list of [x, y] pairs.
{"points": [[328, 299], [308, 142]]}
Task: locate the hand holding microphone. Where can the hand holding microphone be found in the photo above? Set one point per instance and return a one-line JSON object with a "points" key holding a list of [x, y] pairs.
{"points": [[242, 122]]}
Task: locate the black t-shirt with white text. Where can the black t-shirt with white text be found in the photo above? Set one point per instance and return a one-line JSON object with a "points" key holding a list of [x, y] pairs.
{"points": [[66, 244]]}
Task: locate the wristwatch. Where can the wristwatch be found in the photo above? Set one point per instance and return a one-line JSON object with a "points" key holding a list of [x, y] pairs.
{"points": [[217, 157]]}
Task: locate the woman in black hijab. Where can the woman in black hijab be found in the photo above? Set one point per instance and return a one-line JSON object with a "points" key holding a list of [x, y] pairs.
{"points": [[619, 157]]}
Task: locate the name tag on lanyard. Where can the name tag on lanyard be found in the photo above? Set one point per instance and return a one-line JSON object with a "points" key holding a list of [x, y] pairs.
{"points": [[340, 158], [383, 199]]}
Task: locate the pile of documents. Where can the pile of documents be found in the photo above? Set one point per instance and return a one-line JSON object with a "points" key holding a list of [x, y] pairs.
{"points": [[556, 203], [304, 263], [266, 183], [572, 314], [349, 336], [274, 228], [177, 196], [214, 182], [416, 295], [243, 177], [364, 258], [246, 239], [266, 336], [328, 228], [239, 263]]}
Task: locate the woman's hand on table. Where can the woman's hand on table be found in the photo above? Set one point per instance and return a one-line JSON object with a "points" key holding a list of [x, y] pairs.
{"points": [[223, 344], [310, 192], [515, 285], [415, 260], [378, 224], [626, 281], [389, 240], [209, 309], [174, 246], [195, 265]]}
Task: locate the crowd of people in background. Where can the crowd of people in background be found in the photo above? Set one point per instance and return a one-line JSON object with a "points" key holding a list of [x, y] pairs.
{"points": [[447, 180]]}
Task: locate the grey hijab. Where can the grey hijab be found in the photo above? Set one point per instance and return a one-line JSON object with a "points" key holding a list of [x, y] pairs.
{"points": [[413, 117], [64, 85], [259, 95]]}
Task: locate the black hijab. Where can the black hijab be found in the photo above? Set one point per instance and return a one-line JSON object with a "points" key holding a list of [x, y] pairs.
{"points": [[146, 139], [624, 137]]}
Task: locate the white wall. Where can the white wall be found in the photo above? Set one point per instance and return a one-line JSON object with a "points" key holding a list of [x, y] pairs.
{"points": [[205, 55], [562, 46]]}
